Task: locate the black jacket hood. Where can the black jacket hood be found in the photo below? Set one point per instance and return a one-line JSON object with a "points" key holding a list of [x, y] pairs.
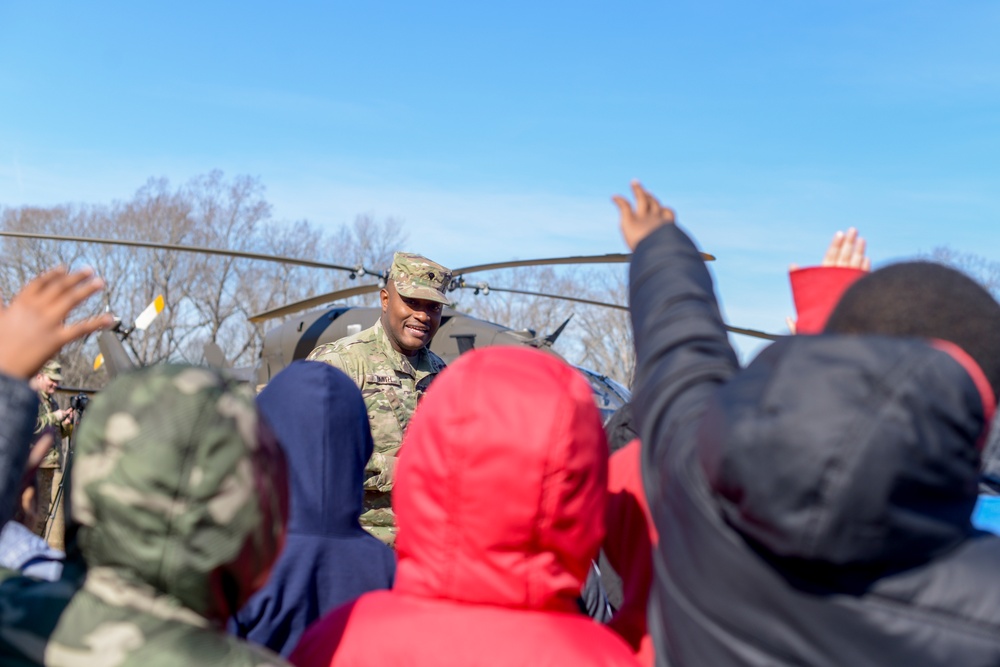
{"points": [[847, 450]]}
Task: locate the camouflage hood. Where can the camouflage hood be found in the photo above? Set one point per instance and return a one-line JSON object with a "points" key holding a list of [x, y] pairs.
{"points": [[177, 484]]}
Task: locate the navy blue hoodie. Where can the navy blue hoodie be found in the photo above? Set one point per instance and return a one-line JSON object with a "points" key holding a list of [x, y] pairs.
{"points": [[320, 419]]}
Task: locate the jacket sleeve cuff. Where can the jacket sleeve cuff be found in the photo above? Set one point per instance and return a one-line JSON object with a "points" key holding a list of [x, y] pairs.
{"points": [[669, 238], [816, 291]]}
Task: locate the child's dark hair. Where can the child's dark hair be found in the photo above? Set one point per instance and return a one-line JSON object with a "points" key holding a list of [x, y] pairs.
{"points": [[925, 300]]}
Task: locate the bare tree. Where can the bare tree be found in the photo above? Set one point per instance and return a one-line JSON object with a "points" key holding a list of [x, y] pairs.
{"points": [[517, 311], [207, 297], [370, 242], [23, 259], [210, 297], [596, 337], [982, 269], [605, 337]]}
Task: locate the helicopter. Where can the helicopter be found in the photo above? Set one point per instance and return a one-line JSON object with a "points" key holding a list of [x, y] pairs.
{"points": [[299, 335], [458, 333]]}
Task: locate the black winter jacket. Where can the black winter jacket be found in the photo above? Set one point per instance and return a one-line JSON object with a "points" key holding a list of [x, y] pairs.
{"points": [[18, 411], [813, 508]]}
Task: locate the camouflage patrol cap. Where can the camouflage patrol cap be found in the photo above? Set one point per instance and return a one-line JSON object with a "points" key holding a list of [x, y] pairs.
{"points": [[417, 277], [52, 370]]}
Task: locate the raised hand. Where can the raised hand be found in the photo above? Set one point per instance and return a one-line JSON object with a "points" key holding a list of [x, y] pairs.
{"points": [[33, 326], [846, 250], [647, 216]]}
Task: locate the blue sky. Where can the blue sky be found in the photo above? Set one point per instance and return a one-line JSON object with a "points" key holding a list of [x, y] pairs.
{"points": [[499, 130]]}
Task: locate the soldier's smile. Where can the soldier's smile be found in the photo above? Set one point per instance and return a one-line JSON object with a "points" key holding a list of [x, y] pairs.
{"points": [[417, 330]]}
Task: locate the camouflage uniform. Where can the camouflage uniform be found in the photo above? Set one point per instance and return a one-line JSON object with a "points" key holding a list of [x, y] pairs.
{"points": [[49, 471], [180, 506], [391, 384], [47, 405]]}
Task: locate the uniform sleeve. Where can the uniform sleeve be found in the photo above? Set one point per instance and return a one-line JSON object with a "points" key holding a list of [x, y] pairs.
{"points": [[45, 419]]}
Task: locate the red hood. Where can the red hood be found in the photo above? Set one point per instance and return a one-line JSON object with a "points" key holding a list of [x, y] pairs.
{"points": [[501, 483]]}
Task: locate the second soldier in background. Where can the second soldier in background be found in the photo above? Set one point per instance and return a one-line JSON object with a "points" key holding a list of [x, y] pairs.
{"points": [[51, 416], [393, 366]]}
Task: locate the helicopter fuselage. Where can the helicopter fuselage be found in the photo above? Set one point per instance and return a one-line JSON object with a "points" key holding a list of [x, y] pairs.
{"points": [[458, 333]]}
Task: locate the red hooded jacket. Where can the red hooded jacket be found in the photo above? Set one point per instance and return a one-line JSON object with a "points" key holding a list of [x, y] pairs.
{"points": [[628, 543], [499, 497]]}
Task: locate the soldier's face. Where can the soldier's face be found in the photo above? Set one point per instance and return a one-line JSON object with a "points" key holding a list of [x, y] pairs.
{"points": [[410, 324], [46, 384]]}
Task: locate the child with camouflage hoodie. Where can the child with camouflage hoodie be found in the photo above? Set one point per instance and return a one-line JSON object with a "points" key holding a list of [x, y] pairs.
{"points": [[179, 503]]}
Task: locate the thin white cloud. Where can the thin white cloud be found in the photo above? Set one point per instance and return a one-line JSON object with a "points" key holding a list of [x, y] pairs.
{"points": [[267, 100]]}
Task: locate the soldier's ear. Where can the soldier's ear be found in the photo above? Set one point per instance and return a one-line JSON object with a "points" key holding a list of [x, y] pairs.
{"points": [[384, 298]]}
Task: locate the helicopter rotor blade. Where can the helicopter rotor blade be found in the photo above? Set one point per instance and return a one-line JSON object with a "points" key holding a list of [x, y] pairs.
{"points": [[365, 289], [113, 354], [214, 356], [456, 280], [753, 333], [147, 316], [550, 340], [611, 258], [185, 248], [111, 342], [490, 288], [355, 271], [315, 301]]}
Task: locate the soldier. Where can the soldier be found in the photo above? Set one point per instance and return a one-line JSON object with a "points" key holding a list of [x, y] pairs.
{"points": [[392, 365], [50, 415], [179, 506]]}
